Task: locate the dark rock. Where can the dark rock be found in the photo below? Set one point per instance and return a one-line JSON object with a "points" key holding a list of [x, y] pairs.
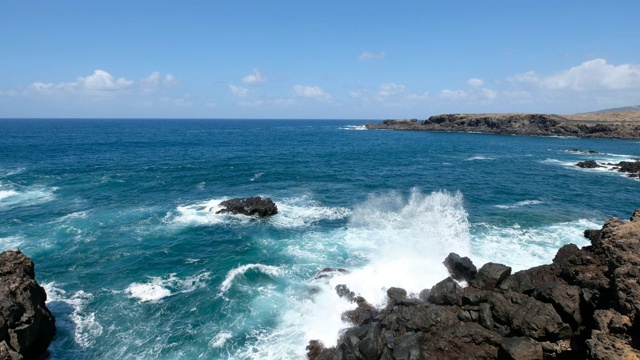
{"points": [[425, 295], [395, 295], [603, 345], [343, 291], [460, 268], [446, 292], [520, 348], [485, 318], [407, 346], [249, 206], [27, 326], [327, 273], [348, 348], [565, 300], [373, 345], [589, 164], [490, 275], [317, 351]]}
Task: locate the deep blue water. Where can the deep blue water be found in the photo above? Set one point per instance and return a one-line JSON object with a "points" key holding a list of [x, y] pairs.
{"points": [[111, 211]]}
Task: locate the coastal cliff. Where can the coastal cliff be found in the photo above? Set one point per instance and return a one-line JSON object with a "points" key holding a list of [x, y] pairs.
{"points": [[584, 305], [517, 124], [26, 325]]}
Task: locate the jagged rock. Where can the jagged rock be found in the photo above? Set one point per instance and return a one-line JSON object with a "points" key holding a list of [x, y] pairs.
{"points": [[249, 206], [520, 348], [490, 275], [565, 300], [26, 325], [395, 295], [460, 268], [407, 346], [446, 292], [611, 320], [343, 291], [603, 346], [317, 351], [589, 164]]}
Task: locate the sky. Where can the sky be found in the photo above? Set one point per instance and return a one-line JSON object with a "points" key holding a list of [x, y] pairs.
{"points": [[347, 59]]}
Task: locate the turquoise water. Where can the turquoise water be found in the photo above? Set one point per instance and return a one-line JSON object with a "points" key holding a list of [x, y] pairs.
{"points": [[111, 213]]}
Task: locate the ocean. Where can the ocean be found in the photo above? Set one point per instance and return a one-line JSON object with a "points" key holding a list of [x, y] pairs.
{"points": [[117, 216]]}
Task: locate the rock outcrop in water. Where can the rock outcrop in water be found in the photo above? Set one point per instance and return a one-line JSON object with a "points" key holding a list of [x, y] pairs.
{"points": [[631, 168], [26, 325], [249, 206], [518, 124], [584, 305]]}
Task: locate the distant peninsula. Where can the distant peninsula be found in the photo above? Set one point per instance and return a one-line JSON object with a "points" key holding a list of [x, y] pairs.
{"points": [[615, 125]]}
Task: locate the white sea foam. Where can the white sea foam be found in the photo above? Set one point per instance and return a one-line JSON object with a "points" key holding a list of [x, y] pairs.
{"points": [[353, 127], [303, 211], [14, 171], [480, 157], [520, 204], [393, 241], [256, 176], [73, 215], [292, 213], [158, 288], [219, 340], [13, 195], [523, 248], [80, 322], [241, 270], [10, 242]]}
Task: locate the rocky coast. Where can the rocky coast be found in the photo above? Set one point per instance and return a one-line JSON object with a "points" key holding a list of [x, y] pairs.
{"points": [[26, 325], [584, 305], [518, 124]]}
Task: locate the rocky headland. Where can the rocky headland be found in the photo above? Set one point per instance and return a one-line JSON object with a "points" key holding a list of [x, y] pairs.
{"points": [[584, 305], [26, 325], [519, 124]]}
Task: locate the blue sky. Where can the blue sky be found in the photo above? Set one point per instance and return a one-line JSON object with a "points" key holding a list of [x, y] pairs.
{"points": [[315, 59]]}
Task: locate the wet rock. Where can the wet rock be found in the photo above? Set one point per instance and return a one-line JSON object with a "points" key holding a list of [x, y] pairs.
{"points": [[446, 292], [343, 291], [26, 325], [249, 206], [520, 348], [317, 351], [589, 164], [395, 295], [460, 268], [490, 275], [328, 273]]}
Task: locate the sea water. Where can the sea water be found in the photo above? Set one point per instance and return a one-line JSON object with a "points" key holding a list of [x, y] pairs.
{"points": [[120, 219]]}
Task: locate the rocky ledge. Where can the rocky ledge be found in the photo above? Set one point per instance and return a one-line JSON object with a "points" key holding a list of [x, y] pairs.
{"points": [[26, 325], [518, 124], [584, 305]]}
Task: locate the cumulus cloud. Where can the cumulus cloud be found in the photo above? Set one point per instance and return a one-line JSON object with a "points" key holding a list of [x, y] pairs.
{"points": [[368, 55], [475, 82], [156, 80], [238, 91], [256, 77], [101, 80], [594, 74], [312, 92]]}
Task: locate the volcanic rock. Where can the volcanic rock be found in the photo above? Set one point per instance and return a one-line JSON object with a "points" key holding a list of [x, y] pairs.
{"points": [[589, 164], [26, 325], [460, 268], [249, 206]]}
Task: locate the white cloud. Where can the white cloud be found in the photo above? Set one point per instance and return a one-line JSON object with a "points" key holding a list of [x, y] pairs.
{"points": [[101, 80], [594, 74], [368, 55], [154, 81], [254, 78], [390, 89], [239, 91], [475, 82], [312, 92]]}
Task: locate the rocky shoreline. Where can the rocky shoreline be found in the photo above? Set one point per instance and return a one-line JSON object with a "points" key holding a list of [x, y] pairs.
{"points": [[584, 305], [515, 124], [26, 325]]}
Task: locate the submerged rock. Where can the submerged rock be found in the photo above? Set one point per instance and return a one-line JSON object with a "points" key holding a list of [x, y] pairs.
{"points": [[249, 206], [26, 325]]}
